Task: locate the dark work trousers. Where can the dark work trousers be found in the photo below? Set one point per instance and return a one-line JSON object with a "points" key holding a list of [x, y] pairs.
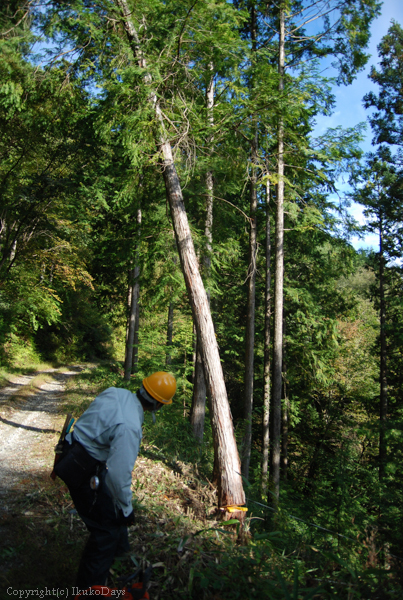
{"points": [[108, 536]]}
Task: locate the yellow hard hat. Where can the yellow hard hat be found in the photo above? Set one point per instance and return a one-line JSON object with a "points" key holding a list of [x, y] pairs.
{"points": [[161, 386]]}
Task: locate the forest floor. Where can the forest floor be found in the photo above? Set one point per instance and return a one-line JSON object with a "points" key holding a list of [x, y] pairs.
{"points": [[178, 531], [41, 536]]}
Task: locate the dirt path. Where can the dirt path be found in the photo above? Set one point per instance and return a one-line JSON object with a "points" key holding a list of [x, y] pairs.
{"points": [[29, 430]]}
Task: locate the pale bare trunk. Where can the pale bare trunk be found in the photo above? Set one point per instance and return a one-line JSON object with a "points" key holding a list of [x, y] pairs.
{"points": [[199, 399], [13, 251], [250, 318], [135, 294], [230, 489], [128, 306], [199, 389], [250, 315], [208, 229], [266, 388], [279, 278]]}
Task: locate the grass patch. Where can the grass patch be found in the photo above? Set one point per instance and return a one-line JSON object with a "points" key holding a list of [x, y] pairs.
{"points": [[30, 389]]}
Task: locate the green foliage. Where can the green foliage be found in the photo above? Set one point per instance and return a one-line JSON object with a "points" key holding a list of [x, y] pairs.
{"points": [[386, 120], [78, 159]]}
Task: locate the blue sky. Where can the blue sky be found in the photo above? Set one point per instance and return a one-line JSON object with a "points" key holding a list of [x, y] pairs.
{"points": [[349, 108]]}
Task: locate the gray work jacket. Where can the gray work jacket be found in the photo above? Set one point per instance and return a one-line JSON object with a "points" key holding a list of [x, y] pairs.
{"points": [[110, 431]]}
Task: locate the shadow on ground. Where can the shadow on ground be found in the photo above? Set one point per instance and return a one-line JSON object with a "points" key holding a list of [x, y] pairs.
{"points": [[40, 540]]}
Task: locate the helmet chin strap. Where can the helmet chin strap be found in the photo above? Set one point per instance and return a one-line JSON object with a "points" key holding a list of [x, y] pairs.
{"points": [[156, 405]]}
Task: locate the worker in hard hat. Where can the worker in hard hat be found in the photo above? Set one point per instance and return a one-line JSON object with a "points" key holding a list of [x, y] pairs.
{"points": [[97, 463]]}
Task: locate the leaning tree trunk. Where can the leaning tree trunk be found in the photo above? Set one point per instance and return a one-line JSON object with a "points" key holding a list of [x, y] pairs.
{"points": [[135, 294], [199, 389], [279, 280], [230, 488], [266, 388], [383, 403]]}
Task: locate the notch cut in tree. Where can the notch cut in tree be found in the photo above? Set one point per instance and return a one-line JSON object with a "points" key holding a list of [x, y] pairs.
{"points": [[230, 488]]}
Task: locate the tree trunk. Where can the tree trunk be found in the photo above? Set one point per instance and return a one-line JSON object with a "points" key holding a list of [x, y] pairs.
{"points": [[279, 280], [208, 229], [250, 315], [194, 357], [284, 418], [250, 318], [135, 294], [383, 404], [230, 489], [266, 388], [170, 329], [135, 360], [199, 388], [199, 399]]}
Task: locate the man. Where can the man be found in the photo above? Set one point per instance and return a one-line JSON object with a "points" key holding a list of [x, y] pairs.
{"points": [[97, 463]]}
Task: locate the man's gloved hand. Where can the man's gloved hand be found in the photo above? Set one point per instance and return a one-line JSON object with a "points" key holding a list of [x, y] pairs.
{"points": [[129, 520]]}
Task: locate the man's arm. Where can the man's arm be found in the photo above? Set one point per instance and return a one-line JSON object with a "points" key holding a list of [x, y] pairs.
{"points": [[122, 456]]}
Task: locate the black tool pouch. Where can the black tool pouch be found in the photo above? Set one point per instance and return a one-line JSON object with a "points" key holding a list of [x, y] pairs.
{"points": [[76, 466]]}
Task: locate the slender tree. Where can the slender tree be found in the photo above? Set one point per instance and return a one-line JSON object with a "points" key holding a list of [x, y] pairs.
{"points": [[267, 365], [134, 285], [199, 389], [279, 275]]}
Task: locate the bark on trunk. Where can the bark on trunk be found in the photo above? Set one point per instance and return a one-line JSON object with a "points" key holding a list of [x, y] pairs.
{"points": [[135, 294], [170, 329], [208, 229], [250, 318], [199, 389], [194, 355], [279, 277], [230, 489], [135, 360], [199, 399], [383, 404], [284, 420], [266, 388]]}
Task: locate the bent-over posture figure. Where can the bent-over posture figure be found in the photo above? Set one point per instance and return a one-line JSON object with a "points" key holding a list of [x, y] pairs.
{"points": [[97, 463]]}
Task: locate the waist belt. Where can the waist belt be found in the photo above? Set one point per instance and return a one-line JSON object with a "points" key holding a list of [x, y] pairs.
{"points": [[76, 466]]}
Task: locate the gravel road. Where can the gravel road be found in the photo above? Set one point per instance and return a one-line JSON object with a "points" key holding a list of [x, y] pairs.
{"points": [[29, 430]]}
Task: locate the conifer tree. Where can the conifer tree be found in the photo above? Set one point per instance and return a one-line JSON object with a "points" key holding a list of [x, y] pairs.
{"points": [[375, 189]]}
